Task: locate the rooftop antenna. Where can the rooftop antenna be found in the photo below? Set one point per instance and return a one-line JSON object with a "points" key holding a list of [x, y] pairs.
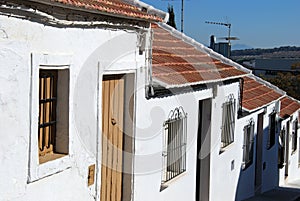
{"points": [[223, 24], [182, 13], [229, 38]]}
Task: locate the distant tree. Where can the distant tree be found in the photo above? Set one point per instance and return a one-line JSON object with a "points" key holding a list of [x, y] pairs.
{"points": [[296, 66], [171, 21], [288, 82]]}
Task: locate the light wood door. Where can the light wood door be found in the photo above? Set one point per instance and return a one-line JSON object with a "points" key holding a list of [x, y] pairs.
{"points": [[112, 138]]}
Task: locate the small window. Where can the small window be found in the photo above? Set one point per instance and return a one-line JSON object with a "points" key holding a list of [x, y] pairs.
{"points": [[272, 130], [281, 148], [228, 122], [294, 136], [53, 121], [248, 144], [174, 152]]}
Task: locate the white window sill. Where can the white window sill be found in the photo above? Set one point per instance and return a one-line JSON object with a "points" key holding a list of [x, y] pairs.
{"points": [[166, 184], [223, 149], [49, 168]]}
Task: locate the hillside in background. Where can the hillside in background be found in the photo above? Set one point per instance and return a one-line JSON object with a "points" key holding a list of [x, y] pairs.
{"points": [[281, 52], [287, 81]]}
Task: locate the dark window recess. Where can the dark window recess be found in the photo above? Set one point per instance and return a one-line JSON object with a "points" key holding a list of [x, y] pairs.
{"points": [[248, 144], [53, 120], [272, 130], [47, 111], [295, 135], [281, 148]]}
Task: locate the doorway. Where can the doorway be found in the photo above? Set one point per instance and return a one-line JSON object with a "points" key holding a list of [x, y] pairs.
{"points": [[258, 158], [118, 99], [203, 150], [287, 148]]}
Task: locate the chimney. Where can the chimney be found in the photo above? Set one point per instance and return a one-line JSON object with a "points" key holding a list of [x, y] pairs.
{"points": [[212, 42]]}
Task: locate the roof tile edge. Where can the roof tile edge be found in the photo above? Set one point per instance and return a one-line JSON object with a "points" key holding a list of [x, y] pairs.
{"points": [[268, 84], [202, 48], [150, 9]]}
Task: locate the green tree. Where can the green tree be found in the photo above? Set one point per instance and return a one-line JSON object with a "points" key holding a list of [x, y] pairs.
{"points": [[171, 21], [288, 82]]}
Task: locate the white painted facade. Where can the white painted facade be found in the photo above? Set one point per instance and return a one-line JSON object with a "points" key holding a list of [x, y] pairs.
{"points": [[290, 171], [88, 54], [248, 184]]}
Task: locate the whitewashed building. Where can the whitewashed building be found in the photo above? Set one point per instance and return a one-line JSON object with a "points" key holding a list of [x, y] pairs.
{"points": [[288, 157], [103, 101], [54, 57], [259, 143]]}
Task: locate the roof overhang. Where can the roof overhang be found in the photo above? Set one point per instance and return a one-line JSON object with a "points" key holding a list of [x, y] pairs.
{"points": [[91, 11]]}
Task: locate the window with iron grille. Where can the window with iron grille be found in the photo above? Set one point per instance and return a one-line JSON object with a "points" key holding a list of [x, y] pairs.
{"points": [[228, 122], [174, 152], [294, 136], [248, 144], [53, 134], [281, 148], [272, 130]]}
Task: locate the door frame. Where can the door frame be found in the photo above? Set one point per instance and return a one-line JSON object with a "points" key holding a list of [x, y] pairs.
{"points": [[203, 150]]}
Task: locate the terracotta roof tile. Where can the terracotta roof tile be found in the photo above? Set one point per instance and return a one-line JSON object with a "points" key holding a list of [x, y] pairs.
{"points": [[288, 106], [116, 7], [177, 63], [256, 94]]}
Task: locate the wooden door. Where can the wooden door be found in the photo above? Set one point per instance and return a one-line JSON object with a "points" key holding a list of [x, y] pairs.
{"points": [[112, 138]]}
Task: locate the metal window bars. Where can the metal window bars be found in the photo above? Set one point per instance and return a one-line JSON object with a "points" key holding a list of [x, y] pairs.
{"points": [[228, 122], [47, 111], [248, 144], [174, 150]]}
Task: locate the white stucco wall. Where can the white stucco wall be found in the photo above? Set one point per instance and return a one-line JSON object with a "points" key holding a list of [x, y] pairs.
{"points": [[270, 157], [293, 160], [246, 177], [223, 178], [111, 50], [149, 142], [150, 116]]}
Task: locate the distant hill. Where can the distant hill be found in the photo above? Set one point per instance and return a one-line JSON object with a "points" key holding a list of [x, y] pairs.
{"points": [[280, 52], [240, 47]]}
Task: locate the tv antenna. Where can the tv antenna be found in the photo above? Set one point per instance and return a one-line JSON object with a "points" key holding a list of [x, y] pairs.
{"points": [[229, 38], [224, 24], [182, 13]]}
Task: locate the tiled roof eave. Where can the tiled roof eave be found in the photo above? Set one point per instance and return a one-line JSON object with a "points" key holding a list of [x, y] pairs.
{"points": [[283, 110], [262, 106], [202, 48], [97, 11], [189, 84]]}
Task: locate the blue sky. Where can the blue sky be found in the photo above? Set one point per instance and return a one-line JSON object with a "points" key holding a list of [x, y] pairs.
{"points": [[258, 23]]}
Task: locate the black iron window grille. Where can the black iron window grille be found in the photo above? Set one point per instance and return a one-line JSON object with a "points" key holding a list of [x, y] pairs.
{"points": [[272, 130], [228, 122], [248, 144], [174, 150]]}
